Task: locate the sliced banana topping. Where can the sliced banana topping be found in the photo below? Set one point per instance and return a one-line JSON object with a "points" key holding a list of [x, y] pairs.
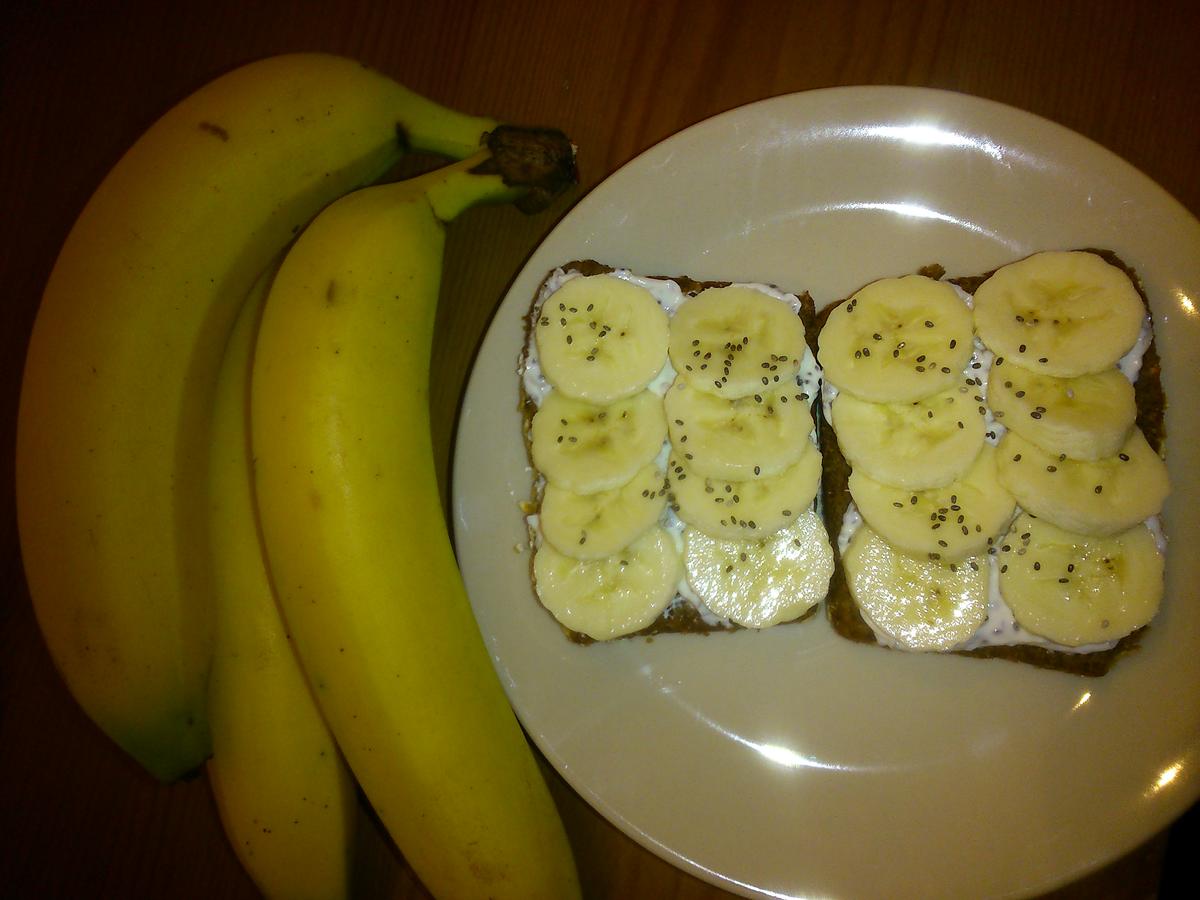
{"points": [[945, 523], [614, 596], [751, 437], [937, 500], [759, 583], [919, 604], [1077, 589], [897, 340], [1059, 313], [1086, 417], [744, 509], [1100, 497], [917, 444], [601, 338], [586, 448], [735, 341], [590, 526]]}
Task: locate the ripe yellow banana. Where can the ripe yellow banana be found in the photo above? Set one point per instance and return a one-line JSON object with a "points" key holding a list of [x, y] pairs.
{"points": [[285, 797], [358, 549], [113, 422]]}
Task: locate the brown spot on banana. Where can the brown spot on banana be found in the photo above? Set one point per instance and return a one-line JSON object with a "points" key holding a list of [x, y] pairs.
{"points": [[215, 130]]}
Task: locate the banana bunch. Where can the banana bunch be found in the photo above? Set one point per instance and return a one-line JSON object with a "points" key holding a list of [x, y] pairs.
{"points": [[158, 587]]}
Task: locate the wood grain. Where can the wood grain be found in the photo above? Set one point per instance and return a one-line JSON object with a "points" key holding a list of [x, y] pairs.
{"points": [[79, 81]]}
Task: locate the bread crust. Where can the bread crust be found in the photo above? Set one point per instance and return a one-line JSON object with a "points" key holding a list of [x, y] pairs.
{"points": [[680, 616], [842, 612]]}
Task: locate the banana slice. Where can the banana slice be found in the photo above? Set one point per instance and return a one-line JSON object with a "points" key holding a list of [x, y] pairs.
{"points": [[915, 604], [736, 440], [1063, 313], [897, 340], [1086, 417], [590, 526], [759, 583], [601, 338], [948, 523], [586, 448], [916, 445], [736, 341], [1077, 589], [610, 597], [1102, 497], [744, 509]]}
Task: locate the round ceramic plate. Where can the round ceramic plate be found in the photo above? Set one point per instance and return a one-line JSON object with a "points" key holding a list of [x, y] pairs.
{"points": [[792, 762]]}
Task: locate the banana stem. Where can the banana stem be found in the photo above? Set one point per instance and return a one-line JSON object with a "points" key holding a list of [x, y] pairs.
{"points": [[429, 127], [528, 166]]}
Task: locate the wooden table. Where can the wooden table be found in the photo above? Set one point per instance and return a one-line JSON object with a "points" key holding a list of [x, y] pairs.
{"points": [[81, 80]]}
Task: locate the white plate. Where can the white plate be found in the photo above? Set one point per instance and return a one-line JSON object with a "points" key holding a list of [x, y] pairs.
{"points": [[791, 761]]}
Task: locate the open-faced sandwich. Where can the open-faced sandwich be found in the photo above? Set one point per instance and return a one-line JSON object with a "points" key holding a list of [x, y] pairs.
{"points": [[993, 462], [672, 429]]}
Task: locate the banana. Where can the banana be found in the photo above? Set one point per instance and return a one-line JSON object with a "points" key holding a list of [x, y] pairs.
{"points": [[1086, 417], [753, 508], [591, 526], [1101, 497], [760, 583], [897, 340], [913, 603], [756, 436], [614, 596], [1079, 589], [601, 338], [1063, 313], [736, 341], [356, 535], [112, 429], [917, 444], [285, 797], [950, 522], [586, 448]]}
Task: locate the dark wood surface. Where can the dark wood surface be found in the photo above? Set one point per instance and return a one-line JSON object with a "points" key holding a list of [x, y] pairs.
{"points": [[79, 81]]}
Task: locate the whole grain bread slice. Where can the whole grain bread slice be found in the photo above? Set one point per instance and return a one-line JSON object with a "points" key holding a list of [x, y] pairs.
{"points": [[841, 610], [680, 616]]}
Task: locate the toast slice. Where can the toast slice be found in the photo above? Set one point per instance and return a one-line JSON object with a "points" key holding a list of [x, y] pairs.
{"points": [[842, 610], [684, 612]]}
